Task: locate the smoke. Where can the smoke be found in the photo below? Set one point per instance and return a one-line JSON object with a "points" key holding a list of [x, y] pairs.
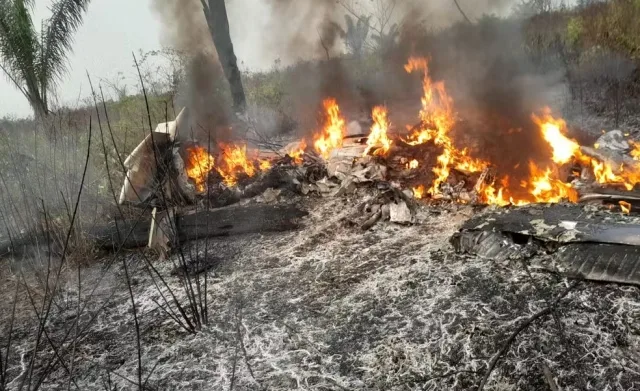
{"points": [[443, 13], [495, 87], [303, 29], [488, 73], [203, 94]]}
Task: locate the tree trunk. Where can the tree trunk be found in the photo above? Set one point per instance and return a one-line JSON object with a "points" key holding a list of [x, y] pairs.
{"points": [[39, 105], [219, 27]]}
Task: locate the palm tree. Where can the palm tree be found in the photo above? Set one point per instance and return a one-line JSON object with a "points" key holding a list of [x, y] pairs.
{"points": [[385, 41], [33, 61], [215, 11], [356, 35]]}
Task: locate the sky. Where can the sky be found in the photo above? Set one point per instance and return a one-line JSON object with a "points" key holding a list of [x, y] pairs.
{"points": [[111, 31], [103, 46]]}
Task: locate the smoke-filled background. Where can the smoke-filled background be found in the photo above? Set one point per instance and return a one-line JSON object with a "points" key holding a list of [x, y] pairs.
{"points": [[320, 52]]}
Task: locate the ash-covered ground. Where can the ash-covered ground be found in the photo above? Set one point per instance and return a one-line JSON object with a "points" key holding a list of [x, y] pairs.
{"points": [[330, 307]]}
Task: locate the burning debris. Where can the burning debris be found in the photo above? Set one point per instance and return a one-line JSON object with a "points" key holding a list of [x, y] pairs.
{"points": [[435, 160]]}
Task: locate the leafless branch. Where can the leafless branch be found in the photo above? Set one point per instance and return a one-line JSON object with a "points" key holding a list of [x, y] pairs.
{"points": [[462, 12], [324, 45], [524, 325]]}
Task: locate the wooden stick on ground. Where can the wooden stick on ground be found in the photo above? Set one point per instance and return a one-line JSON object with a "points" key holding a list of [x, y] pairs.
{"points": [[507, 344]]}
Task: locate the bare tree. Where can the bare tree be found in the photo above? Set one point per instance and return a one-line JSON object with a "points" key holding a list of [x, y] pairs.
{"points": [[383, 12], [215, 12]]}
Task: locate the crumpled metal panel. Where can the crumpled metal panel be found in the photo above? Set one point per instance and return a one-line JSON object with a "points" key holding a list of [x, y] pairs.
{"points": [[485, 244], [594, 245], [601, 262], [561, 223]]}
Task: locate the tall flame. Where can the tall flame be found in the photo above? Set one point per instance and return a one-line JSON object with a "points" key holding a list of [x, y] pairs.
{"points": [[437, 119], [378, 137], [334, 129], [199, 164], [564, 149], [418, 192]]}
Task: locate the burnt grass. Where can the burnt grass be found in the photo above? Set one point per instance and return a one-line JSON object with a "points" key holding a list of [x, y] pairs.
{"points": [[329, 307]]}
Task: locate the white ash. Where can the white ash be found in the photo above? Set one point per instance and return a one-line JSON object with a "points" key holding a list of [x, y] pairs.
{"points": [[331, 307]]}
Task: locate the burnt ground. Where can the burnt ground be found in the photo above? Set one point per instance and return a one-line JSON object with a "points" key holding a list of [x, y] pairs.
{"points": [[329, 307]]}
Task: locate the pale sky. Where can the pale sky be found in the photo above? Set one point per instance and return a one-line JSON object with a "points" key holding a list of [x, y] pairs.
{"points": [[111, 31]]}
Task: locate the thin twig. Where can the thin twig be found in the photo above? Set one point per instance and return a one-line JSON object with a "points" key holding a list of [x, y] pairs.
{"points": [[462, 12], [507, 344]]}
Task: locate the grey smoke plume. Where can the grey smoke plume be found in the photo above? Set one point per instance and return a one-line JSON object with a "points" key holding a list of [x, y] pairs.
{"points": [[184, 28], [303, 29]]}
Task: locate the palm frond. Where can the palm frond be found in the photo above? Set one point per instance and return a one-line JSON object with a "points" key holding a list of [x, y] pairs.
{"points": [[350, 25], [19, 44], [66, 18]]}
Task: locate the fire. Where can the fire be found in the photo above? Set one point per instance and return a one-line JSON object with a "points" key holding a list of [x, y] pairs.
{"points": [[234, 162], [635, 152], [465, 163], [199, 164], [442, 171], [378, 137], [264, 164], [438, 118], [604, 173], [625, 206], [298, 152], [546, 188], [564, 149], [334, 129], [542, 186], [418, 192], [489, 195], [230, 164]]}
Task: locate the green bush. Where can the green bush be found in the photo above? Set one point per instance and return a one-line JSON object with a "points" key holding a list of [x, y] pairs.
{"points": [[575, 30]]}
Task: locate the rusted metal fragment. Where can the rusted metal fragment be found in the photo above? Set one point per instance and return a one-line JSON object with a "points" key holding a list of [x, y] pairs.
{"points": [[601, 262]]}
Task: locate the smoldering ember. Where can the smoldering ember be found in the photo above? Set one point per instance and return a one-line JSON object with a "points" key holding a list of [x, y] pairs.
{"points": [[439, 196]]}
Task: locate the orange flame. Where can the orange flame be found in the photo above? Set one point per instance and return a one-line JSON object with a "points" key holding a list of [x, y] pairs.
{"points": [[298, 152], [625, 206], [438, 118], [418, 192], [545, 188], [542, 186], [412, 165], [378, 136], [264, 164], [489, 195], [564, 149], [334, 129], [199, 163], [234, 162], [635, 152]]}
